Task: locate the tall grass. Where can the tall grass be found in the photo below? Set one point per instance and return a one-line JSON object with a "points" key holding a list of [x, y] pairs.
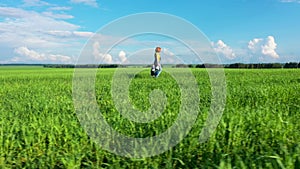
{"points": [[259, 128]]}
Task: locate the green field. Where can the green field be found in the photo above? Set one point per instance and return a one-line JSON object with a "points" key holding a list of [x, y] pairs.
{"points": [[259, 128]]}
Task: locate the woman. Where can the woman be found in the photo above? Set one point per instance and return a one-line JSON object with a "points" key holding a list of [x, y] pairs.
{"points": [[156, 67]]}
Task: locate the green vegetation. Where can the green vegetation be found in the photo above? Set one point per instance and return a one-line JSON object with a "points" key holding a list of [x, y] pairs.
{"points": [[259, 128]]}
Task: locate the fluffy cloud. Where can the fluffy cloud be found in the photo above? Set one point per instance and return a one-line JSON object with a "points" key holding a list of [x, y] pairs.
{"points": [[263, 47], [222, 49], [47, 31], [269, 47], [258, 50], [70, 34], [122, 56], [28, 55], [58, 16], [83, 34], [92, 3], [9, 12], [21, 26], [35, 3], [252, 45], [99, 56], [167, 52], [59, 8]]}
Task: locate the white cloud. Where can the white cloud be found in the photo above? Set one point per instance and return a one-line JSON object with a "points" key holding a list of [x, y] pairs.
{"points": [[59, 8], [83, 34], [222, 49], [269, 47], [167, 52], [45, 31], [70, 34], [9, 12], [58, 16], [60, 58], [35, 3], [263, 47], [100, 57], [60, 33], [28, 55], [252, 45], [29, 23], [92, 3], [122, 56]]}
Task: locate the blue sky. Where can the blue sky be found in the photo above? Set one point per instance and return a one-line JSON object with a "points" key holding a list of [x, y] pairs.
{"points": [[41, 31]]}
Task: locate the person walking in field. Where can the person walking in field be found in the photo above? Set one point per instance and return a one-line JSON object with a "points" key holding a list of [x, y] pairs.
{"points": [[156, 67]]}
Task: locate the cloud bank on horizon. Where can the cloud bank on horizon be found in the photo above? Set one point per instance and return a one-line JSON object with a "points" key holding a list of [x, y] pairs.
{"points": [[36, 31], [264, 48]]}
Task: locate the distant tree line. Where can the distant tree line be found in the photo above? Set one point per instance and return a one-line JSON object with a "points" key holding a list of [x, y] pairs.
{"points": [[264, 65], [81, 66], [292, 65], [59, 66], [245, 65], [256, 65], [233, 65]]}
